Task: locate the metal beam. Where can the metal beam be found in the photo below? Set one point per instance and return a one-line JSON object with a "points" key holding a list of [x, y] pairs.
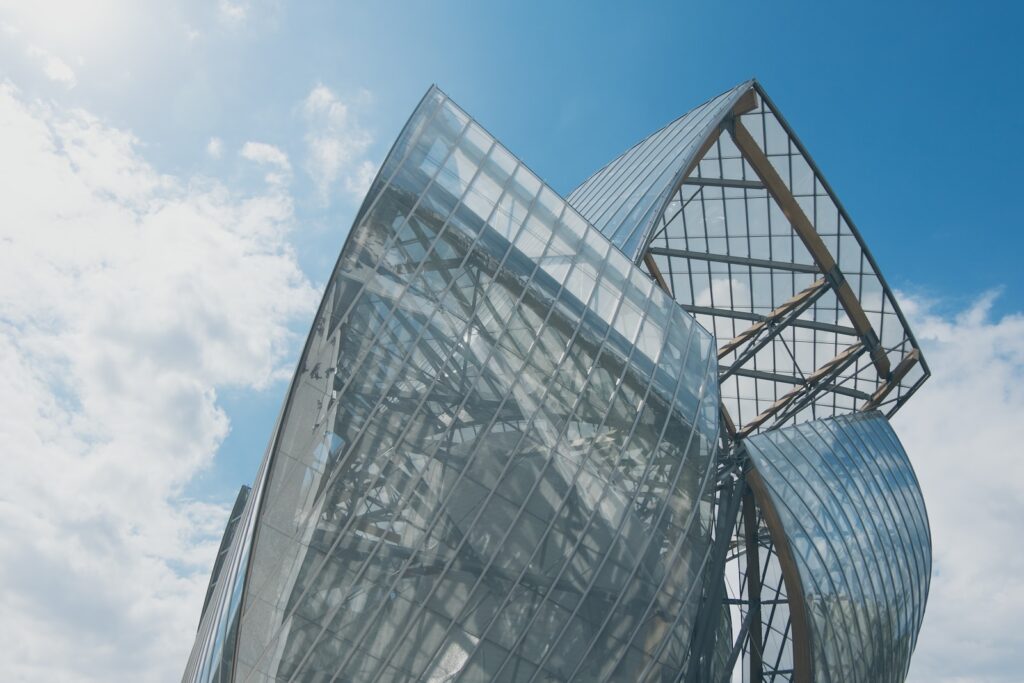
{"points": [[711, 605], [804, 229], [792, 379], [725, 182], [737, 260], [745, 315], [753, 570], [741, 638]]}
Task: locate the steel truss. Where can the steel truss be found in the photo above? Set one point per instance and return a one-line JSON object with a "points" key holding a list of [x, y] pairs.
{"points": [[766, 353]]}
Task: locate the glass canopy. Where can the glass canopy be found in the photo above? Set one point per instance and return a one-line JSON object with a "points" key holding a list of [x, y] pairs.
{"points": [[634, 435]]}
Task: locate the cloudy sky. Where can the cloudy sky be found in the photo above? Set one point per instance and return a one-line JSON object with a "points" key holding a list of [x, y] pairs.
{"points": [[176, 180]]}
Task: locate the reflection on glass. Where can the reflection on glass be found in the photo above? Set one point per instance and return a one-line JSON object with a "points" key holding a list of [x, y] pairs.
{"points": [[854, 518], [493, 458]]}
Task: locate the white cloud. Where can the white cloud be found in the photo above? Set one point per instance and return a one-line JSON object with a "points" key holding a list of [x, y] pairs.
{"points": [[268, 155], [54, 67], [724, 293], [232, 13], [358, 183], [215, 148], [336, 144], [127, 300], [964, 433]]}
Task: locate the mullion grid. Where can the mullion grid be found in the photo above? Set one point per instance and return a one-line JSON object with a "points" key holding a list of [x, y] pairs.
{"points": [[390, 320], [540, 405], [571, 555], [859, 577], [775, 617], [508, 250], [904, 511], [864, 272], [609, 178], [879, 482], [819, 203], [384, 253], [522, 510], [394, 306], [867, 494], [694, 515], [773, 475], [213, 625], [777, 625], [479, 379], [638, 164], [690, 136], [683, 537]]}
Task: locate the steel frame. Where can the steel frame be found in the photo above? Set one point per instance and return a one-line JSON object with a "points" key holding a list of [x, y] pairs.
{"points": [[756, 511]]}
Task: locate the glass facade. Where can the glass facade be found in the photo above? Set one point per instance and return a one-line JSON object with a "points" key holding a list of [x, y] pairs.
{"points": [[854, 519], [624, 199], [728, 212], [726, 249], [505, 454]]}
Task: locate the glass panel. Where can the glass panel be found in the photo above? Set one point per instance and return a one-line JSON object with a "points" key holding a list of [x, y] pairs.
{"points": [[853, 515], [457, 487]]}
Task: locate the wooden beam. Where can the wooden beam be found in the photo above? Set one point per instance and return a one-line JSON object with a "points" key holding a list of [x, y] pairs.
{"points": [[727, 422], [652, 266], [799, 613], [752, 549], [774, 315], [747, 102], [904, 366], [812, 240], [810, 382]]}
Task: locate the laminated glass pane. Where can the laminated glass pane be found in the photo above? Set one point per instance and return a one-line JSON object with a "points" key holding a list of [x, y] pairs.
{"points": [[852, 514], [456, 487], [495, 459]]}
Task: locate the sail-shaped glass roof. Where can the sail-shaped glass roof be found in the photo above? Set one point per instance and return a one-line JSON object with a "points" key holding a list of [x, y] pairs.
{"points": [[624, 198], [513, 449]]}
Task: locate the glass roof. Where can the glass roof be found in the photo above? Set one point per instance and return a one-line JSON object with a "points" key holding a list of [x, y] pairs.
{"points": [[754, 244], [852, 513], [623, 199]]}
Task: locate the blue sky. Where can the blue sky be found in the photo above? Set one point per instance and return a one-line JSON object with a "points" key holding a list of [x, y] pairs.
{"points": [[203, 160]]}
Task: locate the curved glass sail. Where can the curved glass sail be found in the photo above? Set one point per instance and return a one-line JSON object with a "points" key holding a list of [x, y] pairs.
{"points": [[727, 210], [624, 199], [851, 512], [511, 452], [212, 658], [496, 456]]}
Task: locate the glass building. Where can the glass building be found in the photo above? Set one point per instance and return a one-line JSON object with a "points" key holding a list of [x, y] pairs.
{"points": [[635, 434]]}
